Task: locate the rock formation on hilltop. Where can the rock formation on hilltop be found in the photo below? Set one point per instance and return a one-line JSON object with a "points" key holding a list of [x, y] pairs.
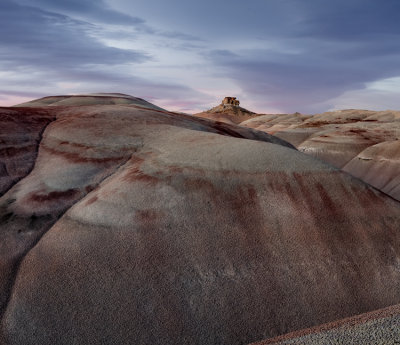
{"points": [[230, 101], [136, 224], [228, 111], [230, 105]]}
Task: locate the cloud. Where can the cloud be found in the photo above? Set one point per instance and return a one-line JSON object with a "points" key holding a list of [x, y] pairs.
{"points": [[179, 35], [379, 95], [45, 52], [349, 20], [95, 10], [34, 37], [301, 82], [323, 51], [91, 80]]}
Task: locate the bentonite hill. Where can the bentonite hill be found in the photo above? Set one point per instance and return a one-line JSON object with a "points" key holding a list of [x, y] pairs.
{"points": [[364, 143], [124, 223]]}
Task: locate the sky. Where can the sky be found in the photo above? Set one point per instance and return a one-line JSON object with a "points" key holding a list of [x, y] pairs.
{"points": [[276, 56]]}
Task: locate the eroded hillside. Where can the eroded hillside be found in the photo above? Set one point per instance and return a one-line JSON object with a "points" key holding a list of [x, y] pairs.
{"points": [[139, 223]]}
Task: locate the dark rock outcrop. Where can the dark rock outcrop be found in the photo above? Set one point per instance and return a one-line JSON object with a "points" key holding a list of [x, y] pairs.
{"points": [[20, 134]]}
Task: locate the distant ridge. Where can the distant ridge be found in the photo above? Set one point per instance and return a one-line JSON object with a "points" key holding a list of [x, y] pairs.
{"points": [[89, 99]]}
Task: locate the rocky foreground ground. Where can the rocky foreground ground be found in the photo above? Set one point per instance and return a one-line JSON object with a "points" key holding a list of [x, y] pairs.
{"points": [[123, 223]]}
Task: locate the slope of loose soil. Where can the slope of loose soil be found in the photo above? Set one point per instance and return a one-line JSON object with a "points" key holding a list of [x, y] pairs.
{"points": [[143, 224]]}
